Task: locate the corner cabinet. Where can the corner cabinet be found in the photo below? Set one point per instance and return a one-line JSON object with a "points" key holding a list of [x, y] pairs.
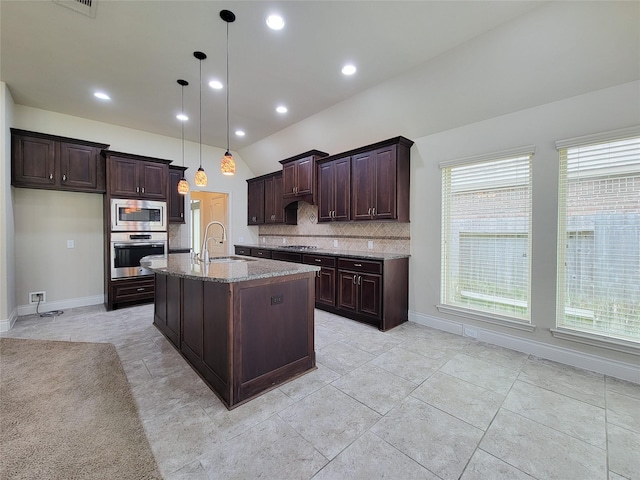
{"points": [[136, 176], [265, 202], [299, 177], [50, 162], [175, 205]]}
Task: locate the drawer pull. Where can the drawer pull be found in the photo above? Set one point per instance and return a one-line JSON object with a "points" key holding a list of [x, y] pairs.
{"points": [[357, 264], [141, 289], [318, 260]]}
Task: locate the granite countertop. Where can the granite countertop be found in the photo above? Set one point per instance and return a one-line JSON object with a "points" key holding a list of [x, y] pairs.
{"points": [[332, 252], [247, 268]]}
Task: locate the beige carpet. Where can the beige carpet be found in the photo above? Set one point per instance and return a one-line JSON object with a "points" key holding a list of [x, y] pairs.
{"points": [[67, 412]]}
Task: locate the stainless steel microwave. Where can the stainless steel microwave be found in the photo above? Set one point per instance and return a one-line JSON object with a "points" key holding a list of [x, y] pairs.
{"points": [[138, 215]]}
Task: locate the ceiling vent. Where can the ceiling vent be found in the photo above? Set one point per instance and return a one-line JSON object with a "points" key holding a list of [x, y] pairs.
{"points": [[86, 7]]}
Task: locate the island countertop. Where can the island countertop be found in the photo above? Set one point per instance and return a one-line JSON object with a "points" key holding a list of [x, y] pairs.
{"points": [[222, 269]]}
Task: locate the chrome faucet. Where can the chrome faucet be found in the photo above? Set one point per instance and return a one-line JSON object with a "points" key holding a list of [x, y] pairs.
{"points": [[204, 252]]}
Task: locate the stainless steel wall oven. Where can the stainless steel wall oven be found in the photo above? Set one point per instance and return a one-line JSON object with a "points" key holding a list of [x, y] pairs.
{"points": [[127, 248]]}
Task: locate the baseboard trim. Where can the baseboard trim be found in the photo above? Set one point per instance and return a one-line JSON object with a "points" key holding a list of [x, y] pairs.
{"points": [[5, 325], [587, 361], [61, 304]]}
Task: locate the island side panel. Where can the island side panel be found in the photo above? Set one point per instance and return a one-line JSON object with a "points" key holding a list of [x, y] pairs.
{"points": [[205, 332], [273, 332]]}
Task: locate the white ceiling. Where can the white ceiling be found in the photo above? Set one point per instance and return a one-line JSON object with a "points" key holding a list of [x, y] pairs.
{"points": [[53, 58]]}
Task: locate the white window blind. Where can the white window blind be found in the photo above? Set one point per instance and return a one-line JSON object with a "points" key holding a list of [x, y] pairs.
{"points": [[599, 239], [486, 231]]}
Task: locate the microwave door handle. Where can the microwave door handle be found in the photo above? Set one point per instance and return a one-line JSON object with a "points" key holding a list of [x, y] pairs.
{"points": [[136, 244]]}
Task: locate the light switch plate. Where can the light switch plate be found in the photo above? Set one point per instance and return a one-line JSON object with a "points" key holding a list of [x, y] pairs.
{"points": [[370, 244], [71, 244]]}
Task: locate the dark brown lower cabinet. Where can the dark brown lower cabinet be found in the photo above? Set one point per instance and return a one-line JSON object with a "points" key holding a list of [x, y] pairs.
{"points": [[371, 291], [243, 338], [129, 291]]}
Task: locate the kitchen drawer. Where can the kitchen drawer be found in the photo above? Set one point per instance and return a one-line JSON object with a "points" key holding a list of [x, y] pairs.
{"points": [[286, 256], [243, 251], [136, 289], [359, 265], [260, 252], [319, 260]]}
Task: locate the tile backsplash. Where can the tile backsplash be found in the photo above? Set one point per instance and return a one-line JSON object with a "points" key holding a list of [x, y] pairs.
{"points": [[386, 237]]}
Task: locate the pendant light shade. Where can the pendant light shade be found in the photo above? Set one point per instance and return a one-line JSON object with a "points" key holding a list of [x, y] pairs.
{"points": [[227, 164], [201, 177], [183, 185]]}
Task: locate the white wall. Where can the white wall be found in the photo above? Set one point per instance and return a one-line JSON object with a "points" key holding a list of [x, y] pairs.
{"points": [[45, 220], [8, 310]]}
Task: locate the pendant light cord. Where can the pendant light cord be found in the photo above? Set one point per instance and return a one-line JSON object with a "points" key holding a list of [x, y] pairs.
{"points": [[182, 122], [200, 113], [228, 87]]}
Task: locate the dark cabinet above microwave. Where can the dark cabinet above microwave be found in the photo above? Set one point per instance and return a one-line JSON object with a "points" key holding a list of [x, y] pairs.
{"points": [[136, 176], [40, 160]]}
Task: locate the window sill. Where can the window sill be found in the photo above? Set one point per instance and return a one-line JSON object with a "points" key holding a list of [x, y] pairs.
{"points": [[494, 319], [619, 345]]}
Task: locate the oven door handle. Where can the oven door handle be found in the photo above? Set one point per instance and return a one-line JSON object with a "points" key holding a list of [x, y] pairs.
{"points": [[137, 244]]}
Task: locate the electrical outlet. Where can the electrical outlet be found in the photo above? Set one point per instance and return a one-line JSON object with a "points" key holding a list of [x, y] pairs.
{"points": [[335, 243], [370, 244], [470, 332], [71, 244], [34, 297], [240, 239], [284, 240]]}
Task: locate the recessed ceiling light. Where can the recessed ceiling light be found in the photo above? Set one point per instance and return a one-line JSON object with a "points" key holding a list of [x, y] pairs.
{"points": [[281, 109], [182, 117], [102, 96], [215, 84], [239, 133], [275, 22], [349, 69]]}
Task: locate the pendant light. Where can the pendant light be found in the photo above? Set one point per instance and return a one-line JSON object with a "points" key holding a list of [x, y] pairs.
{"points": [[227, 164], [201, 177], [183, 185]]}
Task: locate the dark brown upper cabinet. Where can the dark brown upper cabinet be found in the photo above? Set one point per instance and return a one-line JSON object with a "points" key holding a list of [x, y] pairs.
{"points": [[367, 183], [51, 162], [255, 201], [265, 201], [136, 176], [334, 190], [176, 200], [299, 177]]}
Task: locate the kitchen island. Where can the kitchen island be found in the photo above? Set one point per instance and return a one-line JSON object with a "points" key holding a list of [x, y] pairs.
{"points": [[245, 325]]}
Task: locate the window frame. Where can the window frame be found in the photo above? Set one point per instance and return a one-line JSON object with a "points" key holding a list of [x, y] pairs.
{"points": [[562, 330], [445, 306]]}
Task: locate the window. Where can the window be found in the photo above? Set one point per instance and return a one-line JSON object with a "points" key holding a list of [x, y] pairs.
{"points": [[486, 232], [599, 238]]}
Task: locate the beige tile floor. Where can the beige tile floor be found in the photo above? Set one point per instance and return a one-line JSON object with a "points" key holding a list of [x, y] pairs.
{"points": [[412, 403]]}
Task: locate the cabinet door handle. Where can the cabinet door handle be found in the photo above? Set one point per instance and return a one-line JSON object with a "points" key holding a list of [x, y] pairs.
{"points": [[374, 211], [137, 189], [182, 215], [354, 279], [359, 280], [64, 177], [142, 189], [51, 176], [369, 211]]}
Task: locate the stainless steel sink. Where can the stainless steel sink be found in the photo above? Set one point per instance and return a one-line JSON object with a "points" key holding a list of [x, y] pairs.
{"points": [[230, 260]]}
